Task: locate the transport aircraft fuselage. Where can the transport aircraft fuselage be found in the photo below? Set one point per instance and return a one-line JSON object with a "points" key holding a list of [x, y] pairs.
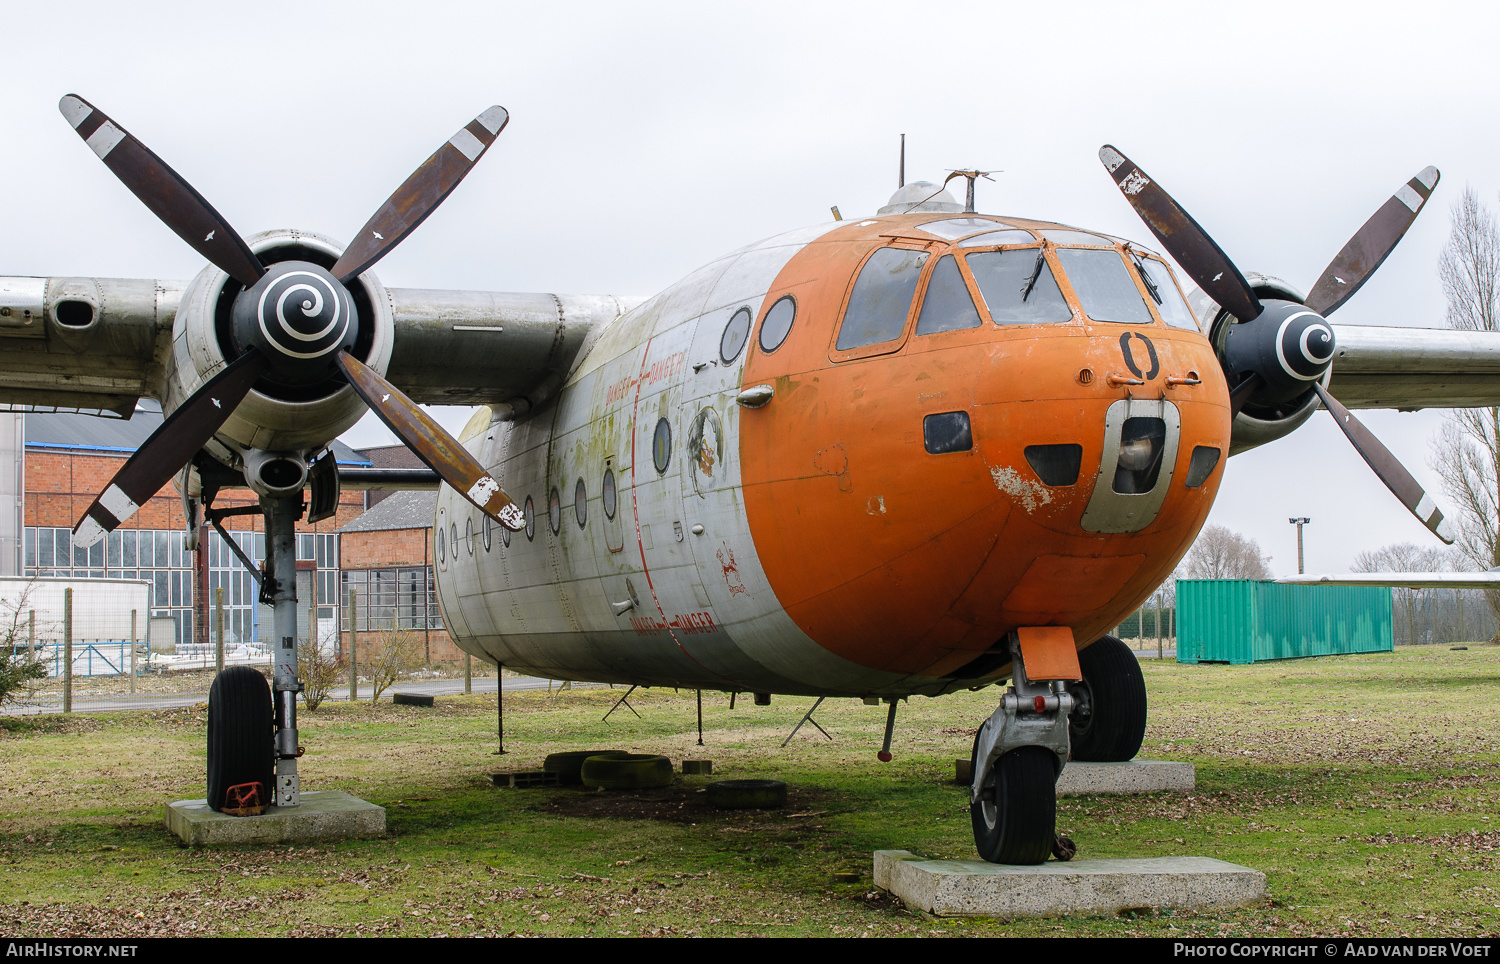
{"points": [[849, 460]]}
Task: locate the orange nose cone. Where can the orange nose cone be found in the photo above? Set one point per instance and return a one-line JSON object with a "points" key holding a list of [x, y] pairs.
{"points": [[901, 543]]}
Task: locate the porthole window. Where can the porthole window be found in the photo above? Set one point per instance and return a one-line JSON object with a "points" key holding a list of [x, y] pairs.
{"points": [[609, 496], [442, 552], [453, 538], [485, 532], [505, 536], [530, 515], [554, 511], [736, 333], [778, 324], [581, 502], [469, 534], [661, 445]]}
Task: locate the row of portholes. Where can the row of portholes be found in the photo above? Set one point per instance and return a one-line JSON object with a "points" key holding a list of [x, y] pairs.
{"points": [[773, 330], [610, 498]]}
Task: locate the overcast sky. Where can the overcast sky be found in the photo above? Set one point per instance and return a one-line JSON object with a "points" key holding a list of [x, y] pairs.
{"points": [[646, 139]]}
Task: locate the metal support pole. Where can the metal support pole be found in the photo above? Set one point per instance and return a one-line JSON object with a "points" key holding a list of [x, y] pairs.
{"points": [[132, 651], [1299, 523], [353, 654], [500, 706], [219, 629], [281, 542], [621, 702], [468, 674], [884, 756], [1159, 653], [68, 650], [700, 717], [807, 718]]}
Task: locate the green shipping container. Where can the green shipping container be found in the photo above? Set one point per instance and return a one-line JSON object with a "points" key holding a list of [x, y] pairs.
{"points": [[1249, 621]]}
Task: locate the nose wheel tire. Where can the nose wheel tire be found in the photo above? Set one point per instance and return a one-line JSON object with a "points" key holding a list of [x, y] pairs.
{"points": [[1109, 721], [1015, 817], [240, 735]]}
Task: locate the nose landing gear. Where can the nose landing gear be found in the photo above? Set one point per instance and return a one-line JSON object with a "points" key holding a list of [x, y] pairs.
{"points": [[1020, 750]]}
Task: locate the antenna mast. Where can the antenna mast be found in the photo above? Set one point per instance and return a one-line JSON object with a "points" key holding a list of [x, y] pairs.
{"points": [[901, 177]]}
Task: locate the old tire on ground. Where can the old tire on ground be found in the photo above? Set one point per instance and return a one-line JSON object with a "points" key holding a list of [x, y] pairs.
{"points": [[1109, 722], [568, 765], [747, 794], [626, 771], [1015, 818], [240, 734]]}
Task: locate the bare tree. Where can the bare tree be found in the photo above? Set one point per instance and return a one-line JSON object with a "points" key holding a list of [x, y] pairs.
{"points": [[1221, 553], [1407, 557], [19, 667], [397, 653], [1466, 455]]}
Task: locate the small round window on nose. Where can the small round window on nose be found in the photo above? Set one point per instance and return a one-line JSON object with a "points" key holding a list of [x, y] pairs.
{"points": [[1142, 440], [1055, 465]]}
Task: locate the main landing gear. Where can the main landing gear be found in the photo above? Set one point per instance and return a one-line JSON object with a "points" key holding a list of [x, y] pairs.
{"points": [[251, 730], [1020, 750]]}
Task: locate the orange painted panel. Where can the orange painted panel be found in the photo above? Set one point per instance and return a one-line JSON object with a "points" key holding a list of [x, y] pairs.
{"points": [[1049, 652]]}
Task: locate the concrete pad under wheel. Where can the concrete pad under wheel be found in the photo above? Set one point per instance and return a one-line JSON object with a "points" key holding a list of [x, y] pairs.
{"points": [[1134, 776], [322, 815], [975, 888]]}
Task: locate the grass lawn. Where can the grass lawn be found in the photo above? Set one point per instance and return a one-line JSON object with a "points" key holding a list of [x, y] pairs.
{"points": [[1365, 787]]}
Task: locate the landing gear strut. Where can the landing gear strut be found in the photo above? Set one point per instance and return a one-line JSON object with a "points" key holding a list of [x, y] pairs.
{"points": [[242, 719], [1018, 753]]}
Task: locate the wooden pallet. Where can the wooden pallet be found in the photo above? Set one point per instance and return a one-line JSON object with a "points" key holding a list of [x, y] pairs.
{"points": [[516, 779]]}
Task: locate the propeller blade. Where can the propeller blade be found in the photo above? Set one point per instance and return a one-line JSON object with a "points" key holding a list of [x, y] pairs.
{"points": [[170, 447], [1371, 244], [421, 194], [1391, 471], [431, 443], [163, 190], [1184, 240], [1242, 392]]}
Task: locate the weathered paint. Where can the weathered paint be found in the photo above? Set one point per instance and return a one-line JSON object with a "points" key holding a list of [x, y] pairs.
{"points": [[811, 544]]}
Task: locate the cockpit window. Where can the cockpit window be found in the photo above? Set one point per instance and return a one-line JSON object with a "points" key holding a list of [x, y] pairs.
{"points": [[955, 228], [1105, 287], [882, 298], [1057, 236], [1017, 287], [947, 305], [1012, 236], [1174, 311]]}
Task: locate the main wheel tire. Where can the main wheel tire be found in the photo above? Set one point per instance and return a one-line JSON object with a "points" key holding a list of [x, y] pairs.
{"points": [[1109, 722], [1015, 818], [241, 736], [626, 771]]}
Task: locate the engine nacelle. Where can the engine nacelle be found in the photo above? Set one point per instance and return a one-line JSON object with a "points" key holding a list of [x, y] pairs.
{"points": [[1255, 426], [275, 416]]}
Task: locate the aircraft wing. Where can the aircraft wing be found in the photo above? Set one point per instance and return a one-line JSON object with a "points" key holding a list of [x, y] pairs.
{"points": [[97, 345], [1414, 368], [1404, 580]]}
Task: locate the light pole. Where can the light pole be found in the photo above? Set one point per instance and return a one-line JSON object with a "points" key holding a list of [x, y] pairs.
{"points": [[1299, 523]]}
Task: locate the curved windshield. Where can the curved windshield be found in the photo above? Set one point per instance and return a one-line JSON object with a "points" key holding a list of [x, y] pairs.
{"points": [[1174, 311], [947, 305], [1017, 287], [882, 298], [1105, 288]]}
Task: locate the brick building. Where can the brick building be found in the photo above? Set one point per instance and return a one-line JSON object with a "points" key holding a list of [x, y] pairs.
{"points": [[387, 560], [68, 461]]}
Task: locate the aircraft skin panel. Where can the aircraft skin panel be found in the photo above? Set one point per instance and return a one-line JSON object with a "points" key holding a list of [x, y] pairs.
{"points": [[706, 615], [900, 570]]}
